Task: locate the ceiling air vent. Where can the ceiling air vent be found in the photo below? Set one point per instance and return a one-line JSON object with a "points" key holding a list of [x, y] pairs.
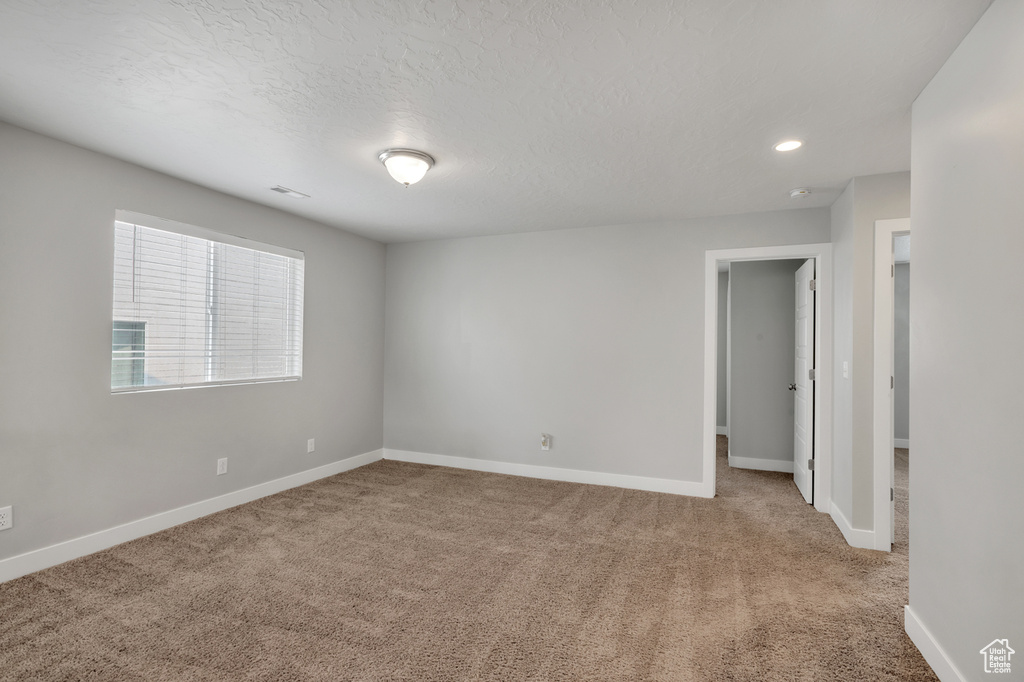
{"points": [[289, 192]]}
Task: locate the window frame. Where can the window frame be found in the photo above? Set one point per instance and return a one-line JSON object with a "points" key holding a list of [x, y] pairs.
{"points": [[185, 229]]}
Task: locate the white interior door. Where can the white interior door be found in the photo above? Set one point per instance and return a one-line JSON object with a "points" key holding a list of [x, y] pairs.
{"points": [[803, 385]]}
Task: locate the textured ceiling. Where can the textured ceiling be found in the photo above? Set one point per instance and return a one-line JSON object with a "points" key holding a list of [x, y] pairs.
{"points": [[541, 115]]}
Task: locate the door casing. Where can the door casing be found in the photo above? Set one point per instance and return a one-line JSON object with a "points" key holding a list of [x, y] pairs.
{"points": [[882, 393], [822, 255]]}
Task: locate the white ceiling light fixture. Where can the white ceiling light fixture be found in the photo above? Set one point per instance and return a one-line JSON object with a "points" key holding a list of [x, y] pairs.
{"points": [[788, 145], [407, 166], [799, 192]]}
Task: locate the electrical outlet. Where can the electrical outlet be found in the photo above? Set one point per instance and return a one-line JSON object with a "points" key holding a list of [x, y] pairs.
{"points": [[222, 466], [311, 445], [6, 517], [545, 441]]}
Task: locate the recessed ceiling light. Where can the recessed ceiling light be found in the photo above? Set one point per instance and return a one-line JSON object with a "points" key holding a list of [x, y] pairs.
{"points": [[289, 192], [799, 192], [788, 145]]}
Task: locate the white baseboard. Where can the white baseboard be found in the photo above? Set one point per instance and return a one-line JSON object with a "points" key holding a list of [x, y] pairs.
{"points": [[933, 653], [901, 443], [36, 560], [855, 537], [722, 430], [658, 485], [785, 466]]}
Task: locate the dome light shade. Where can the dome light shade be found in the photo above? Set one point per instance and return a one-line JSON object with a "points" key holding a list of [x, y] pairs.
{"points": [[788, 145], [407, 166]]}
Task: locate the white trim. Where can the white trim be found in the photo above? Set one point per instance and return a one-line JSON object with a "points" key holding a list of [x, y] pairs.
{"points": [[882, 392], [934, 654], [901, 443], [657, 485], [785, 466], [36, 560], [822, 254], [728, 348], [213, 384], [166, 225], [722, 430], [710, 441], [855, 537]]}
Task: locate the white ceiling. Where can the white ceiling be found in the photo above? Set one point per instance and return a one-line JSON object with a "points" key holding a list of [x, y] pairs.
{"points": [[541, 115]]}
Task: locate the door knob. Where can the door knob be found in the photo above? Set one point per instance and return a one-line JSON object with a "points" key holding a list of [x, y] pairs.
{"points": [[792, 387]]}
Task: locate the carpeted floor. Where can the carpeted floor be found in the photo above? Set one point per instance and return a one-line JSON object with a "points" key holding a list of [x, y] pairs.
{"points": [[407, 572]]}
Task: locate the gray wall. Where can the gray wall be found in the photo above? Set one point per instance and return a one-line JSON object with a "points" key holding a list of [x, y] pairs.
{"points": [[723, 337], [763, 335], [75, 459], [865, 200], [966, 506], [842, 344], [901, 351], [592, 335]]}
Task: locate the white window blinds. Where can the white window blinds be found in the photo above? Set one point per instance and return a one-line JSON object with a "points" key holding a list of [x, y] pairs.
{"points": [[195, 308]]}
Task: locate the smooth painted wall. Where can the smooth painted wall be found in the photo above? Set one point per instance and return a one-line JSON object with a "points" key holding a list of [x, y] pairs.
{"points": [[75, 459], [763, 336], [842, 344], [866, 199], [723, 337], [593, 335], [901, 351], [966, 506]]}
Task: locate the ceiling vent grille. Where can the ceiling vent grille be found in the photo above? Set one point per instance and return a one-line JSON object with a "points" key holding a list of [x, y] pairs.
{"points": [[289, 192]]}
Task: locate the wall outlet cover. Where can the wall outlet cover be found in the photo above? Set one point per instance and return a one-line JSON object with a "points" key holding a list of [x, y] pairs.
{"points": [[222, 466], [6, 517], [311, 445]]}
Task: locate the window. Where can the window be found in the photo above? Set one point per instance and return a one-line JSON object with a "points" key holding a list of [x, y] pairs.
{"points": [[194, 307], [127, 365]]}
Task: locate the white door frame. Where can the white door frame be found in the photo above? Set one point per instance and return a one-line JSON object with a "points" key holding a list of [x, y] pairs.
{"points": [[822, 255], [882, 396]]}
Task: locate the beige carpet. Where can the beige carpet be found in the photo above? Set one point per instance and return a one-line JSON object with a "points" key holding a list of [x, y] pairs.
{"points": [[407, 572]]}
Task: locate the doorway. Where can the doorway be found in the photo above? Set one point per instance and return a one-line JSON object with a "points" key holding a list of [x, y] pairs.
{"points": [[884, 380], [768, 394], [901, 392], [822, 408]]}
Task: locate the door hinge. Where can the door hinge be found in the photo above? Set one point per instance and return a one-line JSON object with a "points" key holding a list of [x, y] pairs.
{"points": [[892, 270], [814, 284], [892, 382], [892, 495], [810, 465], [812, 374]]}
